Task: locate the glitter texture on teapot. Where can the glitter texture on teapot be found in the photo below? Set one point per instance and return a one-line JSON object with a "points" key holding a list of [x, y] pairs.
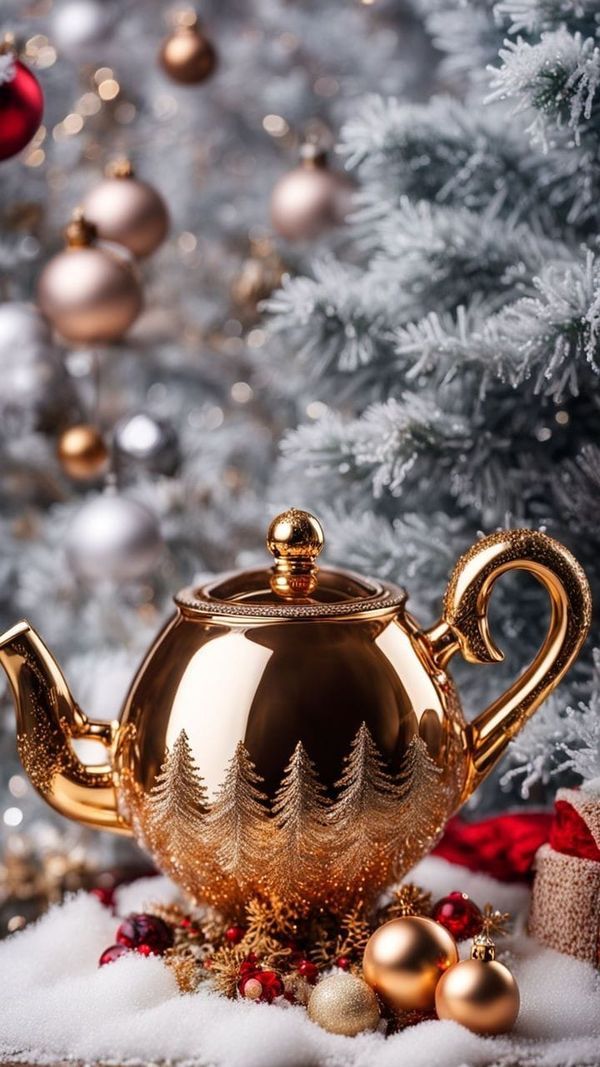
{"points": [[305, 846]]}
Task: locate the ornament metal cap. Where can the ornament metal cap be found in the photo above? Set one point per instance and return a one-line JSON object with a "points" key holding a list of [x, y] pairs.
{"points": [[185, 19], [312, 154], [79, 233], [120, 168]]}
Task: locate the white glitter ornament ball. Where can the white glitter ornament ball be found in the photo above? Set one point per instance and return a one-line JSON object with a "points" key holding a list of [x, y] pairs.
{"points": [[144, 444], [79, 27], [113, 538], [36, 392]]}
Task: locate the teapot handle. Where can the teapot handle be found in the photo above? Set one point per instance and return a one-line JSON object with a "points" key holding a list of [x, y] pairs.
{"points": [[464, 627]]}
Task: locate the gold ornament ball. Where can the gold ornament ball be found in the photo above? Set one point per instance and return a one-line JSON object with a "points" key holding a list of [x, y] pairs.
{"points": [[344, 1004], [128, 211], [295, 533], [480, 994], [404, 960], [187, 56], [82, 453], [310, 199], [90, 293]]}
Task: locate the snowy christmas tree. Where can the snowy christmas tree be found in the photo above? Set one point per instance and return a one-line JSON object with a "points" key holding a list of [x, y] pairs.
{"points": [[450, 370], [177, 400]]}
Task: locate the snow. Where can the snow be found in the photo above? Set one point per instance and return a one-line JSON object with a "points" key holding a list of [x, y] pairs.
{"points": [[57, 1003]]}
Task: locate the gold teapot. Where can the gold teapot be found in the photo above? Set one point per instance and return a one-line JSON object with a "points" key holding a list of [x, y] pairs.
{"points": [[293, 731]]}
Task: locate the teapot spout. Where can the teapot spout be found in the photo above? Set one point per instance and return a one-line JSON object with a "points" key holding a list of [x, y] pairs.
{"points": [[48, 721]]}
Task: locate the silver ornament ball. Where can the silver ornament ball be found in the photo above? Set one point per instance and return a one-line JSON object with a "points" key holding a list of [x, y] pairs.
{"points": [[80, 26], [21, 325], [36, 393], [143, 443], [113, 538]]}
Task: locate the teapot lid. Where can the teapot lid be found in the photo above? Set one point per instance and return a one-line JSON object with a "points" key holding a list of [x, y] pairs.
{"points": [[294, 587]]}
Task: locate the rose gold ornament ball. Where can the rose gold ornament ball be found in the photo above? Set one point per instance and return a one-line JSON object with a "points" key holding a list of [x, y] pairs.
{"points": [[187, 56], [90, 293], [404, 960], [128, 211], [480, 994], [310, 198], [82, 453]]}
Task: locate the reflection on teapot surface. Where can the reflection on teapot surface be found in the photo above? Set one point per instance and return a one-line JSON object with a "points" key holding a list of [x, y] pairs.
{"points": [[293, 730]]}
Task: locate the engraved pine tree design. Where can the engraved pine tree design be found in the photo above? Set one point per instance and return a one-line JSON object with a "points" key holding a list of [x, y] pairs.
{"points": [[365, 814], [420, 779], [306, 847], [301, 834], [177, 805], [235, 827]]}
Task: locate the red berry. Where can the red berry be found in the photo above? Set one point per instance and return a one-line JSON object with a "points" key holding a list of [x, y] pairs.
{"points": [[145, 933], [461, 917], [234, 934], [307, 969], [111, 954], [106, 895], [269, 982], [343, 962]]}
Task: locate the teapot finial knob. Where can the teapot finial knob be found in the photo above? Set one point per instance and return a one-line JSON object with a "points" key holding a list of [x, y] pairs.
{"points": [[295, 539]]}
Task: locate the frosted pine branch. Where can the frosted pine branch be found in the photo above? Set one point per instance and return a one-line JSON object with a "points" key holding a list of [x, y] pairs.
{"points": [[442, 257], [537, 16], [560, 739], [382, 447], [444, 151], [552, 338], [557, 79]]}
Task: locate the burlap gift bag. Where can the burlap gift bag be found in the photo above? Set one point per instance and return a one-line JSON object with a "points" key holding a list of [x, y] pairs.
{"points": [[565, 904]]}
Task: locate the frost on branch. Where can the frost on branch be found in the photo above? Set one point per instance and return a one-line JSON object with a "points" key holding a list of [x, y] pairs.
{"points": [[536, 16], [381, 448], [559, 740], [552, 338], [557, 79]]}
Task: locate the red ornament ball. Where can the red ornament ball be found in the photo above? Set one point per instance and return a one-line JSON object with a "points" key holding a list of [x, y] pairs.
{"points": [[105, 894], [261, 985], [343, 962], [111, 954], [234, 934], [21, 106], [461, 917], [309, 970], [147, 934]]}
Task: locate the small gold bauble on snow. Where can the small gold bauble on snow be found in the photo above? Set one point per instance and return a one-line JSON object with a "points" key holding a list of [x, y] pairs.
{"points": [[82, 452], [480, 993], [344, 1004], [127, 210], [310, 198], [187, 56], [405, 959], [90, 292]]}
